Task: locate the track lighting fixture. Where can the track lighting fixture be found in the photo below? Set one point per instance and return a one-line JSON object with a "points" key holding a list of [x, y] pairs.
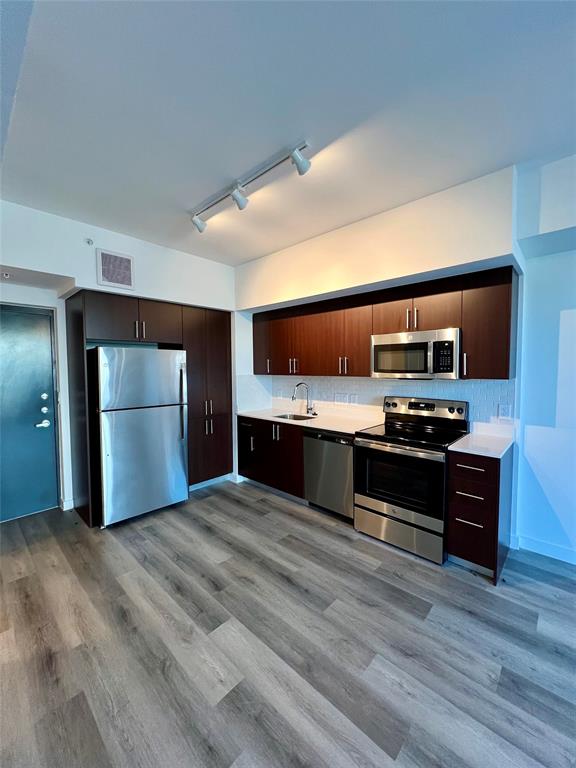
{"points": [[239, 193], [239, 197], [199, 223], [302, 163]]}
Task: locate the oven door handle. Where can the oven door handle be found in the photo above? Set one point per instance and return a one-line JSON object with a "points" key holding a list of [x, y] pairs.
{"points": [[416, 453]]}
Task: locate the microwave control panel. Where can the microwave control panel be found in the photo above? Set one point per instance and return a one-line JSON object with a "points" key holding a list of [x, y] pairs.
{"points": [[443, 356]]}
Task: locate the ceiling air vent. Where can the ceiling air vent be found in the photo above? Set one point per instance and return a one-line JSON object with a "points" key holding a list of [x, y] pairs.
{"points": [[115, 269]]}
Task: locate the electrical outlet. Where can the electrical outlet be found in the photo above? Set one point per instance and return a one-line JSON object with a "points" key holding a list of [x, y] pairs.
{"points": [[505, 411], [341, 397], [353, 399]]}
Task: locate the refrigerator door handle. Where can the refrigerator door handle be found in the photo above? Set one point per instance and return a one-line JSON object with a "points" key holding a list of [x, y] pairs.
{"points": [[182, 429]]}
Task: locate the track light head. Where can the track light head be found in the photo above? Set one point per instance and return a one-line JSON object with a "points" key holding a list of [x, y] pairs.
{"points": [[199, 223], [302, 163], [239, 197]]}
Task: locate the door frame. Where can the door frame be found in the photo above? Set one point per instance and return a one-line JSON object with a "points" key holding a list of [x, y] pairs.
{"points": [[51, 313]]}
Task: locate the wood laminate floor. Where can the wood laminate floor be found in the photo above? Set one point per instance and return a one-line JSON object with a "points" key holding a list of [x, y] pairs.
{"points": [[245, 630]]}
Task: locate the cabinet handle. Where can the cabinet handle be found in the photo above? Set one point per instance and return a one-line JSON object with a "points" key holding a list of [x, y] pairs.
{"points": [[339, 366], [211, 426], [415, 318], [476, 525], [143, 329], [470, 495], [346, 366], [467, 466], [289, 365], [205, 407], [295, 364], [465, 361], [136, 329], [407, 319], [251, 444], [211, 408], [267, 365], [277, 431], [205, 426]]}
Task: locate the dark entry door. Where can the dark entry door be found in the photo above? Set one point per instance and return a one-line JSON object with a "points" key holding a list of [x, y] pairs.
{"points": [[28, 450]]}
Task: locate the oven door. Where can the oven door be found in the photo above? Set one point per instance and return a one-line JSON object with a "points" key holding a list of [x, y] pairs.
{"points": [[402, 483], [401, 356]]}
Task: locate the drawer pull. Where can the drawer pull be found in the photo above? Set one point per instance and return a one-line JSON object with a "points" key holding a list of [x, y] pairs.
{"points": [[470, 495], [467, 466], [476, 525]]}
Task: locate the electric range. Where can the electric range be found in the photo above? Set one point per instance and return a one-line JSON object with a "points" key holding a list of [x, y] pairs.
{"points": [[400, 473]]}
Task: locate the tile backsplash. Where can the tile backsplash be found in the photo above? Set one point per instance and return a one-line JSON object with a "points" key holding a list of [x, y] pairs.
{"points": [[488, 399]]}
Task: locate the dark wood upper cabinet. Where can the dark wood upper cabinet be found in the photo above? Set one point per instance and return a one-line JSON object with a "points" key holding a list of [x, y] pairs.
{"points": [[218, 362], [486, 332], [280, 331], [160, 322], [261, 342], [108, 317], [392, 316], [357, 333], [318, 340], [441, 310]]}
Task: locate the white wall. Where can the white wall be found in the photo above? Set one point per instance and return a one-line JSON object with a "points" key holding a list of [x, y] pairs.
{"points": [[442, 233], [43, 242], [546, 503], [37, 297]]}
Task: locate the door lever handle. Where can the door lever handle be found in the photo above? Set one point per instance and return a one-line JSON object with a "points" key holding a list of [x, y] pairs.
{"points": [[44, 424]]}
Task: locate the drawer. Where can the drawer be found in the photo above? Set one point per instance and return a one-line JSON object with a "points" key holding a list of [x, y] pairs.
{"points": [[468, 466], [475, 495], [477, 545]]}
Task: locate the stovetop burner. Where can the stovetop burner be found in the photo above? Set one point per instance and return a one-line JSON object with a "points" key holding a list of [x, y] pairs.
{"points": [[433, 424]]}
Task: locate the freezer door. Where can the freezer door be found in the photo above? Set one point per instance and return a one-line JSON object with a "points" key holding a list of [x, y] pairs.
{"points": [[130, 377], [143, 460]]}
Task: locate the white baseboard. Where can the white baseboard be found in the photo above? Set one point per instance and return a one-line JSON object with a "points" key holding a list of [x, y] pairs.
{"points": [[514, 542], [546, 548], [67, 504], [214, 480]]}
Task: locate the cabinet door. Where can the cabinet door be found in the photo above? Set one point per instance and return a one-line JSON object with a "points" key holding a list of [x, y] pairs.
{"points": [[255, 450], [109, 317], [261, 345], [392, 316], [318, 341], [288, 453], [160, 322], [443, 310], [194, 342], [357, 332], [218, 366], [197, 428], [218, 447], [486, 328], [281, 349]]}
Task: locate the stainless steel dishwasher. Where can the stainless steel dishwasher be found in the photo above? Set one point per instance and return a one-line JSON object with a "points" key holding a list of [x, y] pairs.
{"points": [[329, 471]]}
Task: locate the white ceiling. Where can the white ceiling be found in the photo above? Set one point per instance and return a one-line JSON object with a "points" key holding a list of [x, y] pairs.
{"points": [[128, 114]]}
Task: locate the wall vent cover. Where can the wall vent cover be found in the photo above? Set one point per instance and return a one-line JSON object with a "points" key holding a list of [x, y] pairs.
{"points": [[115, 269]]}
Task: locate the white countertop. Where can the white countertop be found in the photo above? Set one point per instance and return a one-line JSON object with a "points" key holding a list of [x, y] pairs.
{"points": [[483, 444], [329, 421]]}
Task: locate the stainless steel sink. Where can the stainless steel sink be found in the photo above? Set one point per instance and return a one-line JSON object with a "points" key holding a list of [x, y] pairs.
{"points": [[293, 416]]}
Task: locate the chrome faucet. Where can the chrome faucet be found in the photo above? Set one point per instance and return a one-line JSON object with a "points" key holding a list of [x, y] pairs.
{"points": [[309, 405]]}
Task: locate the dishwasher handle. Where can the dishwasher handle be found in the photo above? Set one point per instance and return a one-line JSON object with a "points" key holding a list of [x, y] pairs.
{"points": [[330, 438]]}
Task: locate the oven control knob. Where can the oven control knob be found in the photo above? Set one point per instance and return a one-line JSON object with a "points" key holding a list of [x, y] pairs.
{"points": [[460, 410], [394, 405], [451, 409], [387, 404]]}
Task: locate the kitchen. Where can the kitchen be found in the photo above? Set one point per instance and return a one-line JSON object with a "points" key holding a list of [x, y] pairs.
{"points": [[288, 447]]}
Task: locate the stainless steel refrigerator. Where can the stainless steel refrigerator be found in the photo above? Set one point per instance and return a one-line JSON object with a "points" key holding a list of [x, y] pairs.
{"points": [[142, 429]]}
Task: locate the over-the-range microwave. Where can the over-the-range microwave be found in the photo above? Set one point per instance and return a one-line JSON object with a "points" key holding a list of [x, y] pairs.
{"points": [[417, 355]]}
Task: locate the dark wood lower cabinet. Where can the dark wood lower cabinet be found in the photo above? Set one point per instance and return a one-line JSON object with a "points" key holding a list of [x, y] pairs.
{"points": [[479, 504], [271, 454], [209, 448]]}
